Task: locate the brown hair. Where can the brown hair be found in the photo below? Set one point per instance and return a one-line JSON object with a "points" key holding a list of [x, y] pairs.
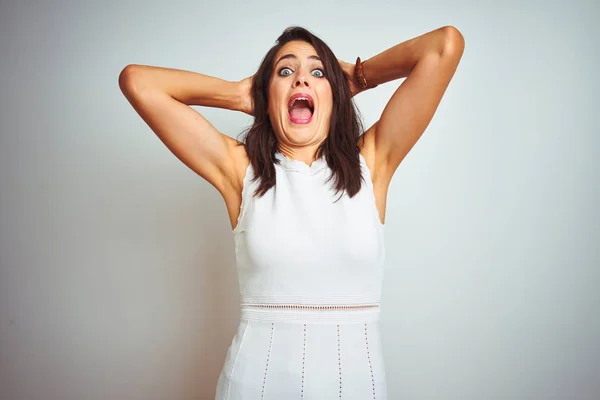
{"points": [[339, 148]]}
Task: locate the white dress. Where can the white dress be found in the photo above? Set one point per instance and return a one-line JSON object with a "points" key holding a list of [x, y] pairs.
{"points": [[310, 274]]}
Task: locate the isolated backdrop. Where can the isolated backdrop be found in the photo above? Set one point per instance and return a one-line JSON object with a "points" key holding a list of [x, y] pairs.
{"points": [[117, 267]]}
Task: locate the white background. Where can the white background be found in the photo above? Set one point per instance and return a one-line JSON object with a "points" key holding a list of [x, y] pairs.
{"points": [[117, 265]]}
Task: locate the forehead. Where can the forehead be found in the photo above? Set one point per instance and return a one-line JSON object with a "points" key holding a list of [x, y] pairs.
{"points": [[300, 49]]}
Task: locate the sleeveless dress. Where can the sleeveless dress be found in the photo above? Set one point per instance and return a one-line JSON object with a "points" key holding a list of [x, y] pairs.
{"points": [[310, 273]]}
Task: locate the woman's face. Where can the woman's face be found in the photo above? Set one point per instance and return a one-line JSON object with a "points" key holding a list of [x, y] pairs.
{"points": [[299, 74]]}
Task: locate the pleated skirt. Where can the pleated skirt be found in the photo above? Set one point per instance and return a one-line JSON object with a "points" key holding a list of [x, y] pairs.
{"points": [[304, 354]]}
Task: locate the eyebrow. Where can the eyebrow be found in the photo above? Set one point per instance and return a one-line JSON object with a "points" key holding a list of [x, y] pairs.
{"points": [[294, 57]]}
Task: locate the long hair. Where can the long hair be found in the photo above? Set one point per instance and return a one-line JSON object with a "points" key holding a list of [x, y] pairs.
{"points": [[339, 148]]}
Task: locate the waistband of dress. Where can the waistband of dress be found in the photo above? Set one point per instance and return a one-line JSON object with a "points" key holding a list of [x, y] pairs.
{"points": [[311, 315]]}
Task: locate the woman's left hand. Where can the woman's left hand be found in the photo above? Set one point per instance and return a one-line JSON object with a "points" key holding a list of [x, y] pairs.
{"points": [[349, 71]]}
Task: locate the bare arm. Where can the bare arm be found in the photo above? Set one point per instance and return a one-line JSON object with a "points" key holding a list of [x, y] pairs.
{"points": [[190, 88], [428, 62], [162, 96]]}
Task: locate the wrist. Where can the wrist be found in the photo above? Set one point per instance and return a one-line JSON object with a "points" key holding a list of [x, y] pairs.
{"points": [[234, 96], [360, 76], [237, 96], [243, 96]]}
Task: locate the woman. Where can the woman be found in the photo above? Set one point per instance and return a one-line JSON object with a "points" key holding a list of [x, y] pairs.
{"points": [[306, 197]]}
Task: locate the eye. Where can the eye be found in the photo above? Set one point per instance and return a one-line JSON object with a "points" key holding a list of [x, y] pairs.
{"points": [[320, 73], [283, 72]]}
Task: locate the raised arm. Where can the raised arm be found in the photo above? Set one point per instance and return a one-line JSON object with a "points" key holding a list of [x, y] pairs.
{"points": [[428, 62], [162, 96]]}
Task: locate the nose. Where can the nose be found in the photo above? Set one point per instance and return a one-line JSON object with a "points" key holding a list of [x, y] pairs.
{"points": [[301, 81]]}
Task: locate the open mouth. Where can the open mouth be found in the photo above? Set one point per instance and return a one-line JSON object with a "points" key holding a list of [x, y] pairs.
{"points": [[301, 109]]}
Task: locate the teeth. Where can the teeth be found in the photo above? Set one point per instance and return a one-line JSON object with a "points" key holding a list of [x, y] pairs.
{"points": [[301, 98]]}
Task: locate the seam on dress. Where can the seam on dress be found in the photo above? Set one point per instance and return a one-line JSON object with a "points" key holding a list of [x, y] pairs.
{"points": [[235, 360], [369, 358], [303, 360], [339, 360], [262, 396]]}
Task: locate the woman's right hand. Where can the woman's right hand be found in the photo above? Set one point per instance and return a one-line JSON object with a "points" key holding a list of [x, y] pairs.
{"points": [[246, 102]]}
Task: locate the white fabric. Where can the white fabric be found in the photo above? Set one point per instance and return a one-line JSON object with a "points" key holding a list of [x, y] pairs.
{"points": [[301, 244]]}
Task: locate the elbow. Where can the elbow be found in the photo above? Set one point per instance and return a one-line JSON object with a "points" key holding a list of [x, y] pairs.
{"points": [[128, 77], [454, 41], [125, 77]]}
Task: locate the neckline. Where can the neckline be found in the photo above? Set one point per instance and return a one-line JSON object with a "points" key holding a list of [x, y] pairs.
{"points": [[291, 164]]}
